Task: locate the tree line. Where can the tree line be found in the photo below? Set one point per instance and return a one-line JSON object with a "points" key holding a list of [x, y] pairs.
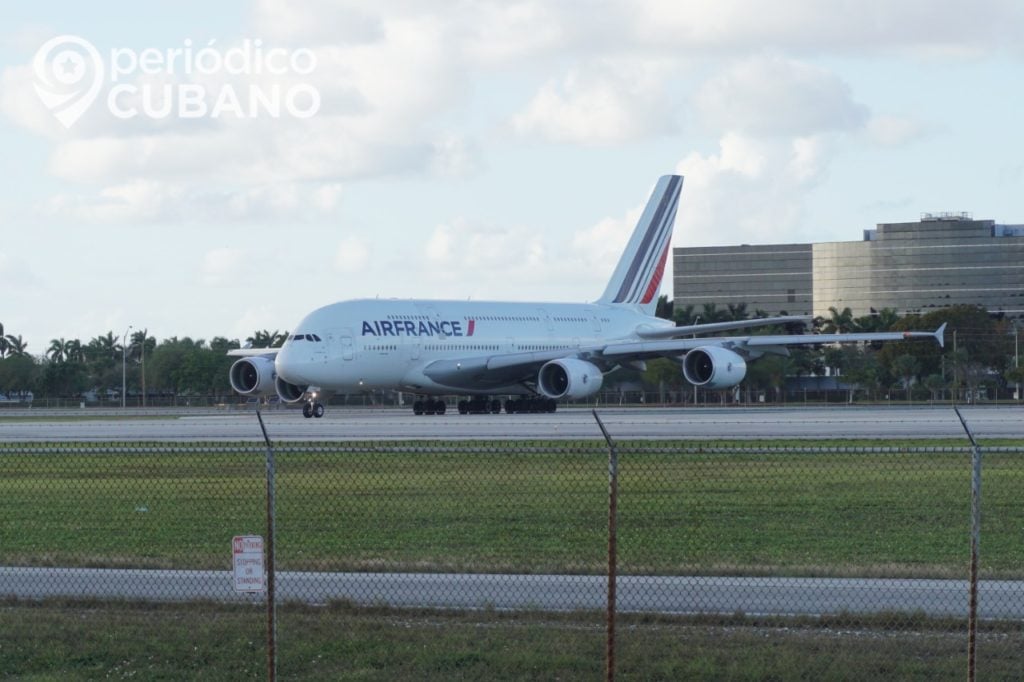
{"points": [[72, 369], [981, 353]]}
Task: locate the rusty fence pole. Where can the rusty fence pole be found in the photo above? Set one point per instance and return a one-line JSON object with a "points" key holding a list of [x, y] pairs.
{"points": [[271, 529], [613, 501], [972, 616]]}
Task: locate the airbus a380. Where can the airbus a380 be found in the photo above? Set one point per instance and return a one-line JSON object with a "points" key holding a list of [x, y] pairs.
{"points": [[538, 352]]}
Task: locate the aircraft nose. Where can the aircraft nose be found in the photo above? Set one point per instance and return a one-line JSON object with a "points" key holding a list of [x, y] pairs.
{"points": [[294, 365]]}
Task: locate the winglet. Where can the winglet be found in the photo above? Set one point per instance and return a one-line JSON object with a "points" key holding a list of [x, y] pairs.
{"points": [[637, 277], [940, 335]]}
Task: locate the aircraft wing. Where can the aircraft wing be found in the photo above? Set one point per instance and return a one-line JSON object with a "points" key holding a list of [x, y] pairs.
{"points": [[651, 332], [495, 371], [754, 345], [269, 353]]}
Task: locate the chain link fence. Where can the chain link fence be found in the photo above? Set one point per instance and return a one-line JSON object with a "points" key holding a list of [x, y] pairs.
{"points": [[490, 559]]}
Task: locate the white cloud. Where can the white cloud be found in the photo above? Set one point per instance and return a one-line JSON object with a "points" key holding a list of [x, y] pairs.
{"points": [[772, 95], [16, 273], [895, 131], [316, 22], [220, 266], [752, 190], [353, 256], [950, 26], [601, 245], [150, 201], [602, 103]]}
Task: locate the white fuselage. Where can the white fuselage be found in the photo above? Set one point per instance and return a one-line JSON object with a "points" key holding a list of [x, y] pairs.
{"points": [[386, 344]]}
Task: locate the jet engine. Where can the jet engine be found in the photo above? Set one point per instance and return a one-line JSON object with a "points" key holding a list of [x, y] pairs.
{"points": [[253, 376], [714, 367], [289, 393], [569, 378]]}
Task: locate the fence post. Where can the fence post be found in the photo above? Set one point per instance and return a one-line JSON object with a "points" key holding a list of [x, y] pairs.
{"points": [[613, 500], [271, 519], [972, 617]]}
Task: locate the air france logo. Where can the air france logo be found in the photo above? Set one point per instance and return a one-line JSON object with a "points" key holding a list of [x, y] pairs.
{"points": [[411, 328]]}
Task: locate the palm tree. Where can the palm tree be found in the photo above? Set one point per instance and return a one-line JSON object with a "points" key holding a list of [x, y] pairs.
{"points": [[906, 367], [713, 314], [878, 321], [839, 322], [142, 344], [3, 342], [663, 308], [261, 338], [684, 317], [74, 351], [57, 352], [267, 339], [738, 311], [105, 347], [15, 345]]}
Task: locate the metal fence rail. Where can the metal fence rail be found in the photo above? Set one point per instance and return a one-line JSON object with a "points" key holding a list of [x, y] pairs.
{"points": [[872, 539]]}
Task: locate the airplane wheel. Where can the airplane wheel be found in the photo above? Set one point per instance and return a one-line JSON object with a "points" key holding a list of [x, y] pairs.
{"points": [[307, 410], [318, 410], [463, 407], [417, 408], [440, 407], [496, 406]]}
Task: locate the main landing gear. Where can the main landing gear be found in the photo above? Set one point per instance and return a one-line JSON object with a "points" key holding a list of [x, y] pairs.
{"points": [[479, 405], [313, 408], [485, 405], [428, 406]]}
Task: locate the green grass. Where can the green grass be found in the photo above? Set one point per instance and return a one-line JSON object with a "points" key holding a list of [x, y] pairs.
{"points": [[514, 507], [74, 641]]}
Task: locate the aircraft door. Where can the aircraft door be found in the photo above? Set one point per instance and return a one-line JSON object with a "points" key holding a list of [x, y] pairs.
{"points": [[341, 344], [546, 319]]}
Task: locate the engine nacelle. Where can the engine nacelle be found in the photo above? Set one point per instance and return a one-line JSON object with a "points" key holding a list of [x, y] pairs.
{"points": [[288, 393], [569, 378], [714, 367], [253, 376]]}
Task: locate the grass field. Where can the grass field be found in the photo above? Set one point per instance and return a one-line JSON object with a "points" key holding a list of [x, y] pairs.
{"points": [[515, 507], [769, 509], [73, 641]]}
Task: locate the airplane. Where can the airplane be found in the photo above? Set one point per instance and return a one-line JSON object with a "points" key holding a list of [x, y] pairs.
{"points": [[530, 354]]}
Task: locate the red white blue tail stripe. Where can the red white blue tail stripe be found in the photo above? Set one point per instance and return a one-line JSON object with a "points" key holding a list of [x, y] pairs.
{"points": [[638, 275]]}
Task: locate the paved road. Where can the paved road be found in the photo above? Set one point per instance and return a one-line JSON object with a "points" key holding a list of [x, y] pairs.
{"points": [[656, 423], [670, 595]]}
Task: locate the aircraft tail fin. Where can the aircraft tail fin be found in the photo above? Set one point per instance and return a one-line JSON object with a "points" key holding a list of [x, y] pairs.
{"points": [[638, 275]]}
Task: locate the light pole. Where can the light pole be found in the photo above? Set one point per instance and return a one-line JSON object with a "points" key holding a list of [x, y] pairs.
{"points": [[1016, 354], [124, 364]]}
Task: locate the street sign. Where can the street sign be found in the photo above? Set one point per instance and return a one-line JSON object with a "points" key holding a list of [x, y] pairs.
{"points": [[247, 558]]}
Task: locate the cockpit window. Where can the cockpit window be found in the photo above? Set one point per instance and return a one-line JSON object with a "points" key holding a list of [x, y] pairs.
{"points": [[313, 337]]}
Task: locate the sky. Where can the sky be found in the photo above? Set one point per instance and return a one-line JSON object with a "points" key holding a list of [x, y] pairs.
{"points": [[486, 150]]}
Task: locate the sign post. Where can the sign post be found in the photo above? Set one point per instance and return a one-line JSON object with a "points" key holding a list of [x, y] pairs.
{"points": [[247, 560]]}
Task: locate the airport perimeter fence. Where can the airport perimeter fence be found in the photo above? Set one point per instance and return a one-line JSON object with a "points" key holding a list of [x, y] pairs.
{"points": [[479, 560]]}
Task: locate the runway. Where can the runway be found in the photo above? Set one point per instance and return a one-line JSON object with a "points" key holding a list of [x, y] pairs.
{"points": [[340, 424], [637, 594]]}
